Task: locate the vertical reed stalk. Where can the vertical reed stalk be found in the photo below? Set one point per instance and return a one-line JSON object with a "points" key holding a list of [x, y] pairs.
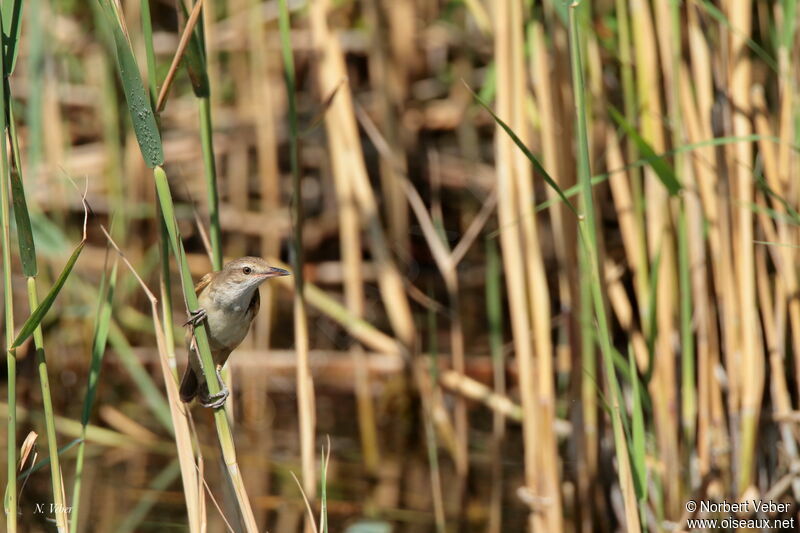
{"points": [[28, 259], [305, 384], [640, 265], [52, 443], [262, 98], [8, 299], [494, 312], [752, 362], [524, 273], [223, 427], [588, 228], [660, 241], [688, 373]]}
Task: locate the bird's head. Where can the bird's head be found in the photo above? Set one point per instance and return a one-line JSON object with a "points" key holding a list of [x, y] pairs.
{"points": [[241, 277]]}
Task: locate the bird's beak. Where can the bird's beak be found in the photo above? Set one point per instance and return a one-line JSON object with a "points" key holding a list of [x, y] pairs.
{"points": [[275, 272]]}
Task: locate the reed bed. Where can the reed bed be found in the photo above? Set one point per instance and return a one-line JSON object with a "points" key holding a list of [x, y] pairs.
{"points": [[543, 260]]}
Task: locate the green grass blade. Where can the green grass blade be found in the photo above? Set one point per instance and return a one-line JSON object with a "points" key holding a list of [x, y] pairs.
{"points": [[539, 168], [150, 55], [12, 15], [27, 248], [323, 489], [662, 169], [637, 433], [195, 59], [100, 339], [39, 313], [789, 21], [650, 312], [142, 118]]}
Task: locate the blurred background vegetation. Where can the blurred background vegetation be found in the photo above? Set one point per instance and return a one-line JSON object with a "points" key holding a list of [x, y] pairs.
{"points": [[544, 262]]}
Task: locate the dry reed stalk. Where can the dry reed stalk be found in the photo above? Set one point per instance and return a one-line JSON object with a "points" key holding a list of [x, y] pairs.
{"points": [[697, 120], [499, 403], [402, 17], [360, 329], [715, 205], [786, 124], [348, 165], [564, 227], [618, 298], [194, 16], [195, 506], [711, 426], [386, 78], [660, 241], [305, 386], [525, 272], [447, 268], [703, 315], [752, 358], [351, 253], [262, 99], [238, 169], [632, 236], [786, 254], [775, 321], [345, 144], [774, 318]]}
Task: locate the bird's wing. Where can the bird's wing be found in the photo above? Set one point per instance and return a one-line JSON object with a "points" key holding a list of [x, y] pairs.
{"points": [[255, 304], [203, 283]]}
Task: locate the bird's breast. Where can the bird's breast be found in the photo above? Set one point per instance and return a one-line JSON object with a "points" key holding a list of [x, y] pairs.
{"points": [[227, 325]]}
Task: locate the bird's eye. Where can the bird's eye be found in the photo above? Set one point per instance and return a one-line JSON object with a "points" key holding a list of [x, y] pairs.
{"points": [[247, 270]]}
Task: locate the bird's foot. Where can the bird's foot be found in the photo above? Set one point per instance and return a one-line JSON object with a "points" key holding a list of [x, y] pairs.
{"points": [[196, 317], [217, 400]]}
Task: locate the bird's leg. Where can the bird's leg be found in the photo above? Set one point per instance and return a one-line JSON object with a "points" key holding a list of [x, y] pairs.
{"points": [[216, 400], [196, 317]]}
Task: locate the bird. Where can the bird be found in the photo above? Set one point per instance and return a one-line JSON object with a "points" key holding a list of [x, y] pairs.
{"points": [[228, 302]]}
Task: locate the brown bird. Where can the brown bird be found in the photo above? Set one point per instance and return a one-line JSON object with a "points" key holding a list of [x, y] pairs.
{"points": [[228, 302]]}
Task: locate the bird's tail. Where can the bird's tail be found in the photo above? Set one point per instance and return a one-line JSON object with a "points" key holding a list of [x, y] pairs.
{"points": [[189, 385]]}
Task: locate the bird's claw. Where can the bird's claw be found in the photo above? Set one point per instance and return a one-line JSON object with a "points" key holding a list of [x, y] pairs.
{"points": [[217, 400], [196, 317]]}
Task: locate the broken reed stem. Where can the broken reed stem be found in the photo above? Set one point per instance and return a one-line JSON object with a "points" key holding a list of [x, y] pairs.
{"points": [[179, 53]]}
